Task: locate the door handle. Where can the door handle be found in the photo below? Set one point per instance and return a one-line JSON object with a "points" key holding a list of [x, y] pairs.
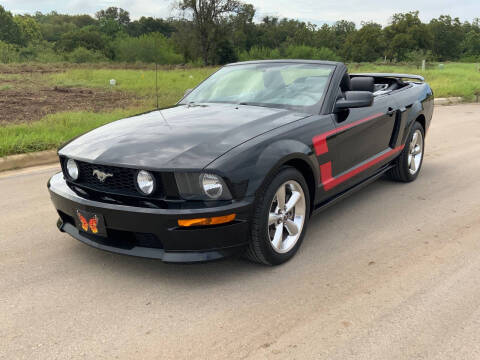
{"points": [[390, 111]]}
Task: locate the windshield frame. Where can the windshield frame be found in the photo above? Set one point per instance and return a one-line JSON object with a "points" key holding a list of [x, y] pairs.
{"points": [[311, 109]]}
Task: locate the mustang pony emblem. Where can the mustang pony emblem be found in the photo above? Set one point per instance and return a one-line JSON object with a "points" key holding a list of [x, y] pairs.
{"points": [[102, 176]]}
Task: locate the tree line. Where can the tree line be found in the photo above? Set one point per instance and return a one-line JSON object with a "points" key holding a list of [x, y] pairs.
{"points": [[211, 32]]}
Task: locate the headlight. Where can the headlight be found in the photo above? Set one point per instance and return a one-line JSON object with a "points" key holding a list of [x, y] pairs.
{"points": [[145, 182], [212, 185], [202, 186], [72, 169]]}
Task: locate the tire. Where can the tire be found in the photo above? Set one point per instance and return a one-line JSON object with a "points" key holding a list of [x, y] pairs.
{"points": [[273, 243], [405, 170]]}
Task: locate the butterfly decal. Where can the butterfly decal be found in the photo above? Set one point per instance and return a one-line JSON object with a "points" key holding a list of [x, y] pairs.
{"points": [[91, 223]]}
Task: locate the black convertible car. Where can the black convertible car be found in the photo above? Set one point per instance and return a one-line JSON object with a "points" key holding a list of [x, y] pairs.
{"points": [[241, 162]]}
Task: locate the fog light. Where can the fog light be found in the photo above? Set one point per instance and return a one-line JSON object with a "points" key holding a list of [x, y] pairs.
{"points": [[206, 221]]}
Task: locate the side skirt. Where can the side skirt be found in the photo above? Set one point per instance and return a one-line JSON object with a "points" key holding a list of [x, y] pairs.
{"points": [[332, 201]]}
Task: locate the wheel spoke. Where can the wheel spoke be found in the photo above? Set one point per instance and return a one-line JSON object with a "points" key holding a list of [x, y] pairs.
{"points": [[415, 139], [278, 237], [292, 201], [417, 150], [281, 197], [273, 218], [413, 165], [291, 227]]}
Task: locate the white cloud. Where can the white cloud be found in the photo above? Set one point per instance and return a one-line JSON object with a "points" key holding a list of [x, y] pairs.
{"points": [[314, 11]]}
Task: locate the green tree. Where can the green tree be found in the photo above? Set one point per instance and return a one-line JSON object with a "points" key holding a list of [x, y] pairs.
{"points": [[325, 37], [29, 29], [54, 25], [9, 29], [88, 37], [147, 25], [117, 15], [447, 36], [366, 44], [182, 39], [471, 44], [208, 19], [243, 28], [406, 33], [341, 30]]}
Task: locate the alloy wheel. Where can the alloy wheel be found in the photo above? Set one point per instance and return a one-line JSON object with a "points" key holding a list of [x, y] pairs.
{"points": [[286, 217], [415, 152]]}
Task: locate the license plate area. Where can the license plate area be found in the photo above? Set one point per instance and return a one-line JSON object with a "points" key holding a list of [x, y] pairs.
{"points": [[90, 223]]}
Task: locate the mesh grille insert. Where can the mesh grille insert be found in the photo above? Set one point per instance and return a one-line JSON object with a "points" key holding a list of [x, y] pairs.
{"points": [[122, 180]]}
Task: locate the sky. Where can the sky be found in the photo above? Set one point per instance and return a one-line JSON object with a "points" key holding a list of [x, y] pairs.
{"points": [[314, 11]]}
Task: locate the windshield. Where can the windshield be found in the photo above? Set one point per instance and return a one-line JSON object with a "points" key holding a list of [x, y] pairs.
{"points": [[284, 85]]}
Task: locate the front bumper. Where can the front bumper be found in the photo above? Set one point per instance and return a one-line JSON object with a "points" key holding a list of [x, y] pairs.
{"points": [[154, 233]]}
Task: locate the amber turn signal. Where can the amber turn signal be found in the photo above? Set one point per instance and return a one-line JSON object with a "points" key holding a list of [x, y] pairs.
{"points": [[206, 221]]}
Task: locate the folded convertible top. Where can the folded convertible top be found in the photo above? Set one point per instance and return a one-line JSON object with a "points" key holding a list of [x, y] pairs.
{"points": [[392, 75]]}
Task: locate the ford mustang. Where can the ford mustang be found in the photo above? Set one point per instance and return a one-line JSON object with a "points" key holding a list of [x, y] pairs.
{"points": [[241, 162]]}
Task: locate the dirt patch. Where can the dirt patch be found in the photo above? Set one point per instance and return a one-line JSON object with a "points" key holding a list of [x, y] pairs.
{"points": [[24, 105], [26, 94], [33, 68]]}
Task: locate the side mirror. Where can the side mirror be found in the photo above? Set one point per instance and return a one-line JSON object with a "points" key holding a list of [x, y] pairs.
{"points": [[354, 99], [188, 91]]}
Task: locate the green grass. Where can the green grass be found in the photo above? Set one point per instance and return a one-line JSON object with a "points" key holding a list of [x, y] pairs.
{"points": [[171, 83], [53, 130], [455, 79]]}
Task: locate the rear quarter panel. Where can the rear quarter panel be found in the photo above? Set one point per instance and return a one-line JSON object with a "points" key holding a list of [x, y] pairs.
{"points": [[416, 101]]}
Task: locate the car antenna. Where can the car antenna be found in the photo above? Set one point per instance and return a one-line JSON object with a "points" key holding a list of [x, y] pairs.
{"points": [[156, 81], [156, 92]]}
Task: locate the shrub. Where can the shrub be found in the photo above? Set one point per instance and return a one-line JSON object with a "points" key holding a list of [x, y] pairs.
{"points": [[88, 37], [470, 59], [8, 53], [259, 53], [82, 55], [417, 56], [147, 48], [40, 52], [310, 53]]}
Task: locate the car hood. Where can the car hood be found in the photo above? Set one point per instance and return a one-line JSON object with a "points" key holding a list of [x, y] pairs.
{"points": [[188, 137]]}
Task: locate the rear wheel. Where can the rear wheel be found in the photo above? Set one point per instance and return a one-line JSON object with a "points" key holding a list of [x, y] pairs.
{"points": [[280, 217], [409, 163]]}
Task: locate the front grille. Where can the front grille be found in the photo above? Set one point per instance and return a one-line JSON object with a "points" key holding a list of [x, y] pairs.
{"points": [[122, 181]]}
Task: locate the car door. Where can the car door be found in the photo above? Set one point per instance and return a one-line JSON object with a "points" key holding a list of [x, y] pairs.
{"points": [[358, 146]]}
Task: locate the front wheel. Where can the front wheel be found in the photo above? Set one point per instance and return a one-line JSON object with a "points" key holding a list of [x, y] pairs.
{"points": [[410, 161], [280, 218]]}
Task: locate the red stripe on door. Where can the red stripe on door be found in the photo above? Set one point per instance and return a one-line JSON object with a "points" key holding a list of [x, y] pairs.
{"points": [[320, 141], [329, 182]]}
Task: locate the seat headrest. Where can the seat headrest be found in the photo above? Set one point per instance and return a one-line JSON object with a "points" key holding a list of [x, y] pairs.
{"points": [[273, 80], [363, 83]]}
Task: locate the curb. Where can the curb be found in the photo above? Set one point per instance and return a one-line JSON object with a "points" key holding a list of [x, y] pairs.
{"points": [[29, 159], [449, 101]]}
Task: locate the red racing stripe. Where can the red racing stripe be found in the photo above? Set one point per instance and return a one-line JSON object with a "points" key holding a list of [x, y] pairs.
{"points": [[320, 141], [329, 182]]}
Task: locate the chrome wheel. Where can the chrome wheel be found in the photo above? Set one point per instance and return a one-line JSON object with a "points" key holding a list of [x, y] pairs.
{"points": [[287, 216], [415, 152]]}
